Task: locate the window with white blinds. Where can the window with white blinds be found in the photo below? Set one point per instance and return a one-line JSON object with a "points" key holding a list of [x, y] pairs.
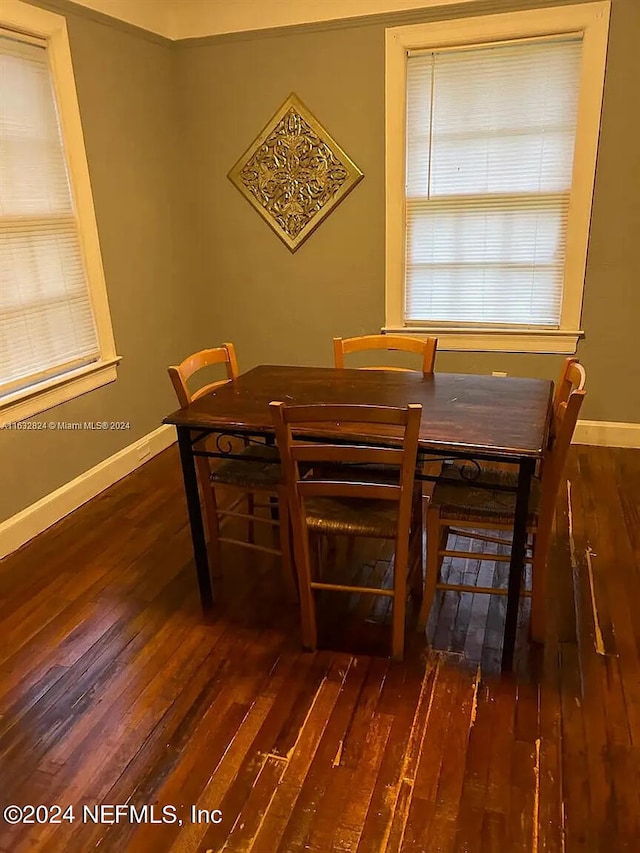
{"points": [[47, 325], [491, 140], [490, 148]]}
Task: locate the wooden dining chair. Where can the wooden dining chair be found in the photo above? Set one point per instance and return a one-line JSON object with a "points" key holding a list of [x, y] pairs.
{"points": [[348, 504], [462, 510], [425, 348], [258, 474]]}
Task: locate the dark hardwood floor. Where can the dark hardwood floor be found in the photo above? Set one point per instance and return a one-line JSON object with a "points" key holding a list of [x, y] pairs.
{"points": [[113, 691]]}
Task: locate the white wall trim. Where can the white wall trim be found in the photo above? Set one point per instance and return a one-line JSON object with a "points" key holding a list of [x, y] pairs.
{"points": [[20, 528], [24, 19], [607, 434], [488, 340], [591, 20], [52, 392], [183, 19]]}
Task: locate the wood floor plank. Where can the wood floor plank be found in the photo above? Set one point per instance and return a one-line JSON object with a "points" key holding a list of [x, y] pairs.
{"points": [[399, 699], [361, 734], [575, 777], [166, 743], [325, 761], [476, 775], [440, 771], [351, 822], [300, 758], [113, 689]]}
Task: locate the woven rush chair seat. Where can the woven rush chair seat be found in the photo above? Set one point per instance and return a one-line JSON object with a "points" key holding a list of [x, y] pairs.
{"points": [[478, 503], [352, 517], [251, 473]]}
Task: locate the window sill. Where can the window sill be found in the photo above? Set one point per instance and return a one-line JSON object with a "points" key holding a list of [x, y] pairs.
{"points": [[495, 340], [31, 401]]}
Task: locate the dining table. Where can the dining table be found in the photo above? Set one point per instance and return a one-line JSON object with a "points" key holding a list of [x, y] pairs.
{"points": [[476, 419]]}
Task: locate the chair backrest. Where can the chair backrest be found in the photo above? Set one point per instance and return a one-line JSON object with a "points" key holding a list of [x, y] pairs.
{"points": [[425, 348], [293, 423], [181, 373], [564, 423], [573, 377]]}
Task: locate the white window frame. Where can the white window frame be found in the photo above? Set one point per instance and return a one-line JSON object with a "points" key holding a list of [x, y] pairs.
{"points": [[591, 20], [47, 26]]}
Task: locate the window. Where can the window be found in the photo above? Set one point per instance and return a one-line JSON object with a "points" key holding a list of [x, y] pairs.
{"points": [[55, 332], [492, 129]]}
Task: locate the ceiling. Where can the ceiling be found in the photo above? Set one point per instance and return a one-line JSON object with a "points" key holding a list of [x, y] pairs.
{"points": [[178, 19]]}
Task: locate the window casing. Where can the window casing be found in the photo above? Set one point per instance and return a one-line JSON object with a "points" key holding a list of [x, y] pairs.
{"points": [[489, 205], [56, 340]]}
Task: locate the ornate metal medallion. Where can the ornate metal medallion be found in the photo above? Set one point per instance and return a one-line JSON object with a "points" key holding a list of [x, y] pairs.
{"points": [[294, 173]]}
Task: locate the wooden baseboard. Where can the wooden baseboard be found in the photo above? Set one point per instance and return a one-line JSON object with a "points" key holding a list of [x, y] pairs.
{"points": [[20, 528], [607, 434]]}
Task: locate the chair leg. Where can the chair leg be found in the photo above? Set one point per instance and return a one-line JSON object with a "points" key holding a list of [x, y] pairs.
{"points": [[433, 565], [307, 602], [416, 558], [213, 525], [416, 574], [332, 549], [350, 549], [318, 549], [250, 511], [274, 511], [400, 570], [285, 546]]}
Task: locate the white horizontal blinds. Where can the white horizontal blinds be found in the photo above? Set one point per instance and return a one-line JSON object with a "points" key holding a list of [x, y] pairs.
{"points": [[490, 139], [46, 319]]}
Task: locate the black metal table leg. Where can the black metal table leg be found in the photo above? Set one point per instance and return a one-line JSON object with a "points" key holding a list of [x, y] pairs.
{"points": [[516, 566], [195, 518]]}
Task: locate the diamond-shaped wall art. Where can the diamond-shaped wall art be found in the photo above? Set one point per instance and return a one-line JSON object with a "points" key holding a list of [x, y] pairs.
{"points": [[294, 173]]}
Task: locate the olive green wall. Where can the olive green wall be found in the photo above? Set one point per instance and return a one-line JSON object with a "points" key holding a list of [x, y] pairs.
{"points": [[125, 82], [280, 307]]}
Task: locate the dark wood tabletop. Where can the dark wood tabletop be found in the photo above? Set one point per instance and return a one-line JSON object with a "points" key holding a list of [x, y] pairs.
{"points": [[480, 414]]}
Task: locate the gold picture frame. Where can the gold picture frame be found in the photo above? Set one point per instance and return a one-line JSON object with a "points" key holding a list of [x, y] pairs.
{"points": [[294, 173]]}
